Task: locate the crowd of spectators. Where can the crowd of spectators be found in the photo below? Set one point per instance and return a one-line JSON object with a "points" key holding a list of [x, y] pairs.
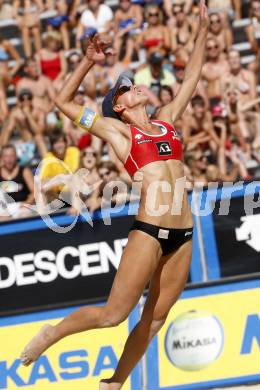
{"points": [[153, 41]]}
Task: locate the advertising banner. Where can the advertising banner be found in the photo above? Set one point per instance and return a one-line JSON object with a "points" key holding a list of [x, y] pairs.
{"points": [[237, 237], [48, 269], [43, 267], [211, 338], [77, 362]]}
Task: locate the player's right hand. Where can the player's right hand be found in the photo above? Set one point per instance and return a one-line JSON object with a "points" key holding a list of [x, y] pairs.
{"points": [[98, 48]]}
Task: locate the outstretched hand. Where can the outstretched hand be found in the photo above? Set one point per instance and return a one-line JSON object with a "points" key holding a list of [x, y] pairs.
{"points": [[98, 48], [204, 17]]}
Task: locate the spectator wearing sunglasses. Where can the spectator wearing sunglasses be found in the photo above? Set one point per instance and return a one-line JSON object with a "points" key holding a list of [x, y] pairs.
{"points": [[89, 83], [73, 61], [213, 70], [29, 120], [156, 36], [109, 174], [183, 32], [197, 166], [221, 33]]}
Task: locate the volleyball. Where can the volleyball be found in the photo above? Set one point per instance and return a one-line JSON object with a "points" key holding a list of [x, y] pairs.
{"points": [[194, 340]]}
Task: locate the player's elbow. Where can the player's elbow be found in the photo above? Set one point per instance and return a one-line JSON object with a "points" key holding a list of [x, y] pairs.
{"points": [[60, 101]]}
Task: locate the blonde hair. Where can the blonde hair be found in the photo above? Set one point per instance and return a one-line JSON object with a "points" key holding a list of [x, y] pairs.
{"points": [[52, 36]]}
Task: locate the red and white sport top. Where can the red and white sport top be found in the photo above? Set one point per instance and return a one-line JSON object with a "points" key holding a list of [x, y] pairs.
{"points": [[147, 148]]}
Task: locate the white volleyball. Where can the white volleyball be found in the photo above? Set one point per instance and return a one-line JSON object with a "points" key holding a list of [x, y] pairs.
{"points": [[194, 340]]}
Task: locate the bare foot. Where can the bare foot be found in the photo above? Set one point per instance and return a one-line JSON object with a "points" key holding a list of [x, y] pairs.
{"points": [[106, 384], [37, 345]]}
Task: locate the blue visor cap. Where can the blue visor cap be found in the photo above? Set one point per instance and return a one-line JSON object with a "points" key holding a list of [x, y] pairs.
{"points": [[107, 105]]}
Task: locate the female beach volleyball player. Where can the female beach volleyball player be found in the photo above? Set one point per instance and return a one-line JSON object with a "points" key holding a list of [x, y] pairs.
{"points": [[153, 149]]}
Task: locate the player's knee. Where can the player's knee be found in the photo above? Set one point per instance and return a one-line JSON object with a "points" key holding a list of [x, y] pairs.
{"points": [[111, 318]]}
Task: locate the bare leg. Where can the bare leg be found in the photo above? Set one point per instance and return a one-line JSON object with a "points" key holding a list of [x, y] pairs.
{"points": [[37, 38], [136, 268], [255, 119], [26, 41], [166, 285], [129, 50], [41, 145], [65, 35], [117, 46]]}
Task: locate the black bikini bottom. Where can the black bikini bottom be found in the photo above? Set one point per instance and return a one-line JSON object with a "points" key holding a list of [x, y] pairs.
{"points": [[169, 239]]}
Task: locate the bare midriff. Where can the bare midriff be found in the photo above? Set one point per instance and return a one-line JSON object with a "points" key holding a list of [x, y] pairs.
{"points": [[164, 200]]}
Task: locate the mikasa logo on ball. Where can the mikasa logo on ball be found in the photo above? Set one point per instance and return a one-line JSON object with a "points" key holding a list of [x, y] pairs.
{"points": [[194, 340]]}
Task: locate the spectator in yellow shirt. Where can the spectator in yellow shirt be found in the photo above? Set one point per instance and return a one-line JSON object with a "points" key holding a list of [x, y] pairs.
{"points": [[154, 75], [61, 160]]}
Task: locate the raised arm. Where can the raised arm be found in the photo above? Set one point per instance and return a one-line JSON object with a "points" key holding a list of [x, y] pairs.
{"points": [[172, 111], [248, 105], [108, 129]]}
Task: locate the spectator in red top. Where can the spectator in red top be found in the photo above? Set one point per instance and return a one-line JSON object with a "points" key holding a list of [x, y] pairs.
{"points": [[156, 36], [52, 60]]}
